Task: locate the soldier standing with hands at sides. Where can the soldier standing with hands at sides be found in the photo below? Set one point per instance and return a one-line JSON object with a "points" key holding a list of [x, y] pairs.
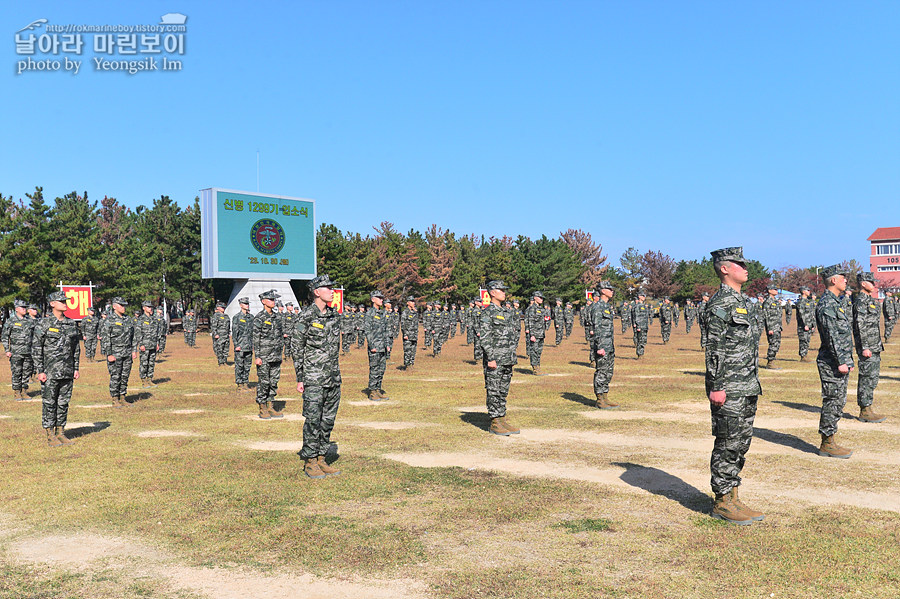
{"points": [[732, 384], [771, 312], [242, 338], [640, 323], [409, 324], [665, 319], [89, 333], [603, 346], [499, 338], [163, 328], [536, 319], [559, 320], [268, 343], [701, 317], [17, 342], [121, 350], [867, 335], [806, 321], [835, 359], [889, 307], [147, 339], [56, 350], [315, 349], [220, 330], [378, 340]]}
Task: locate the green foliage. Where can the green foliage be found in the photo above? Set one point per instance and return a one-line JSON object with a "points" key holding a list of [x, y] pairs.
{"points": [[586, 525]]}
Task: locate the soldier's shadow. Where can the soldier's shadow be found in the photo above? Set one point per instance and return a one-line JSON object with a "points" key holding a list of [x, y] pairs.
{"points": [[799, 406], [890, 378], [578, 398], [279, 405], [659, 482], [164, 379], [690, 349], [522, 370], [477, 419], [576, 363], [693, 372], [81, 431], [785, 440]]}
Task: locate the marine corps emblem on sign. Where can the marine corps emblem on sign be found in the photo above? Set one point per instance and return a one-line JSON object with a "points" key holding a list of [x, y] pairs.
{"points": [[267, 236]]}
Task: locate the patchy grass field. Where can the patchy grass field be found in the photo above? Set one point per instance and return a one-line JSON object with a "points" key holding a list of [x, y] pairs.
{"points": [[187, 494]]}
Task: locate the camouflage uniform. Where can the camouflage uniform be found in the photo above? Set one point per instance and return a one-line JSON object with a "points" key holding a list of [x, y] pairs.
{"points": [[806, 317], [453, 318], [441, 325], [346, 327], [146, 334], [56, 352], [889, 307], [569, 318], [602, 320], [377, 338], [268, 344], [836, 348], [625, 315], [587, 321], [559, 321], [476, 332], [89, 326], [220, 331], [242, 339], [17, 333], [665, 320], [676, 314], [409, 324], [640, 323], [119, 341], [537, 318], [771, 317], [498, 339], [287, 325], [428, 324], [867, 336], [189, 323], [788, 312], [360, 325], [163, 329], [470, 327], [701, 320]]}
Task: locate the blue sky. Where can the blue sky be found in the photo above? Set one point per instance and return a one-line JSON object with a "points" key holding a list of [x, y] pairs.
{"points": [[678, 126]]}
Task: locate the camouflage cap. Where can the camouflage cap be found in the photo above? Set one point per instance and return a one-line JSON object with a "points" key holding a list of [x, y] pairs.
{"points": [[704, 294], [410, 298], [92, 308], [220, 304], [436, 304], [20, 303], [119, 300], [515, 301], [279, 304], [495, 284], [32, 306], [771, 287], [538, 294], [804, 288], [320, 281], [56, 296], [271, 294], [866, 276], [834, 269], [605, 285], [245, 301], [387, 301], [733, 254], [642, 293], [376, 293], [147, 304], [290, 304]]}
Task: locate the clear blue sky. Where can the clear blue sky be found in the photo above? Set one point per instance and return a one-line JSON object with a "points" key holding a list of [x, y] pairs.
{"points": [[678, 126]]}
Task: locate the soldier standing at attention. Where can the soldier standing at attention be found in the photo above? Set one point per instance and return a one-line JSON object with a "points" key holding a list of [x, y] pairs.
{"points": [[428, 323], [360, 325], [453, 318], [835, 359], [536, 315], [409, 324], [220, 330], [17, 342], [732, 384], [806, 316], [771, 316], [602, 320], [499, 340], [30, 370], [788, 312], [268, 343], [701, 317], [121, 350], [640, 323], [242, 339], [889, 307], [867, 335], [389, 327], [347, 328], [587, 320], [569, 318], [559, 320], [689, 315], [676, 313], [315, 346], [379, 344], [163, 328], [146, 334], [287, 323], [189, 323], [56, 351], [665, 319], [89, 326]]}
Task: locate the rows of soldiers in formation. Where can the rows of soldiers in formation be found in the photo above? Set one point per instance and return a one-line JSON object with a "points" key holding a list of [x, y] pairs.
{"points": [[731, 327]]}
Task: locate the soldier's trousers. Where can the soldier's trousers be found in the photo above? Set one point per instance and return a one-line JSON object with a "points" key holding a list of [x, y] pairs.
{"points": [[496, 386], [869, 371], [603, 371], [535, 349], [147, 364], [732, 426], [453, 330], [287, 349], [477, 352], [360, 337], [221, 348], [162, 341], [774, 345], [688, 323], [377, 365], [640, 340], [346, 342], [666, 330], [560, 331], [267, 374], [624, 326], [17, 365], [702, 336], [119, 371], [889, 328], [427, 338], [28, 367], [90, 348], [470, 335], [804, 337], [242, 361], [568, 329], [55, 397], [834, 396], [320, 408], [409, 351], [438, 343]]}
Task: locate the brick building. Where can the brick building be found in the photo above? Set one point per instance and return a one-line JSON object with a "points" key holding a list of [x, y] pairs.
{"points": [[884, 260]]}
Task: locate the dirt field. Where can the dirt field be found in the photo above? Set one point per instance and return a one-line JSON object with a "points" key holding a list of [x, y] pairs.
{"points": [[188, 494]]}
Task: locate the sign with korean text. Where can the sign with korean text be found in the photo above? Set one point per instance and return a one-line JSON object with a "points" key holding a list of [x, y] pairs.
{"points": [[247, 235], [78, 299], [485, 297], [337, 301]]}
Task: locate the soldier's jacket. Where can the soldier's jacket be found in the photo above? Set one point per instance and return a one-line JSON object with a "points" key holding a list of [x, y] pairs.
{"points": [[219, 325], [315, 346], [771, 310], [268, 338], [454, 317], [834, 327], [242, 331], [498, 335], [788, 312], [602, 318], [89, 326], [536, 320], [806, 313], [17, 334], [587, 316], [189, 323], [889, 308], [119, 336], [376, 327], [428, 320], [443, 321], [665, 313], [559, 316], [162, 327], [360, 321], [55, 348], [640, 316], [409, 324], [146, 331], [569, 315], [347, 321], [867, 324], [519, 317], [732, 344], [287, 323]]}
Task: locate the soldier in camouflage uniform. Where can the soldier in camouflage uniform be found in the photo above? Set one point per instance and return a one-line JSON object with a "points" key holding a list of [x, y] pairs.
{"points": [[867, 336], [453, 319], [625, 315], [806, 316], [559, 321], [640, 323], [360, 325], [463, 317], [676, 313], [568, 318], [379, 344], [690, 313], [17, 343], [788, 312], [147, 340], [89, 326], [119, 344], [441, 328], [163, 328], [409, 324], [242, 339], [889, 307], [30, 367], [348, 330], [470, 330], [537, 319], [732, 384], [666, 317], [287, 325], [316, 344], [268, 344], [477, 352], [701, 317], [835, 359], [499, 339], [603, 347], [389, 327], [428, 324], [220, 330], [771, 317], [56, 350], [189, 324], [587, 321]]}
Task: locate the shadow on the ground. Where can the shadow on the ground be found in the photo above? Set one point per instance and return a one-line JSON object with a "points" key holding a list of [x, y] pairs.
{"points": [[785, 439], [579, 398], [690, 349], [576, 363], [660, 482], [164, 379], [799, 406], [477, 419], [522, 370], [81, 431], [694, 372]]}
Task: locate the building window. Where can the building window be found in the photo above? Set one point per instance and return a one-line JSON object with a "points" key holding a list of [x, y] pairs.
{"points": [[887, 249], [888, 268]]}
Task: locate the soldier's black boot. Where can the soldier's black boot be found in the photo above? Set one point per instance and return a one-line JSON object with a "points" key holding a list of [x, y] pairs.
{"points": [[52, 441]]}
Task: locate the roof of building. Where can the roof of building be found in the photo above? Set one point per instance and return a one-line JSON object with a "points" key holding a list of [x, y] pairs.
{"points": [[885, 234]]}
